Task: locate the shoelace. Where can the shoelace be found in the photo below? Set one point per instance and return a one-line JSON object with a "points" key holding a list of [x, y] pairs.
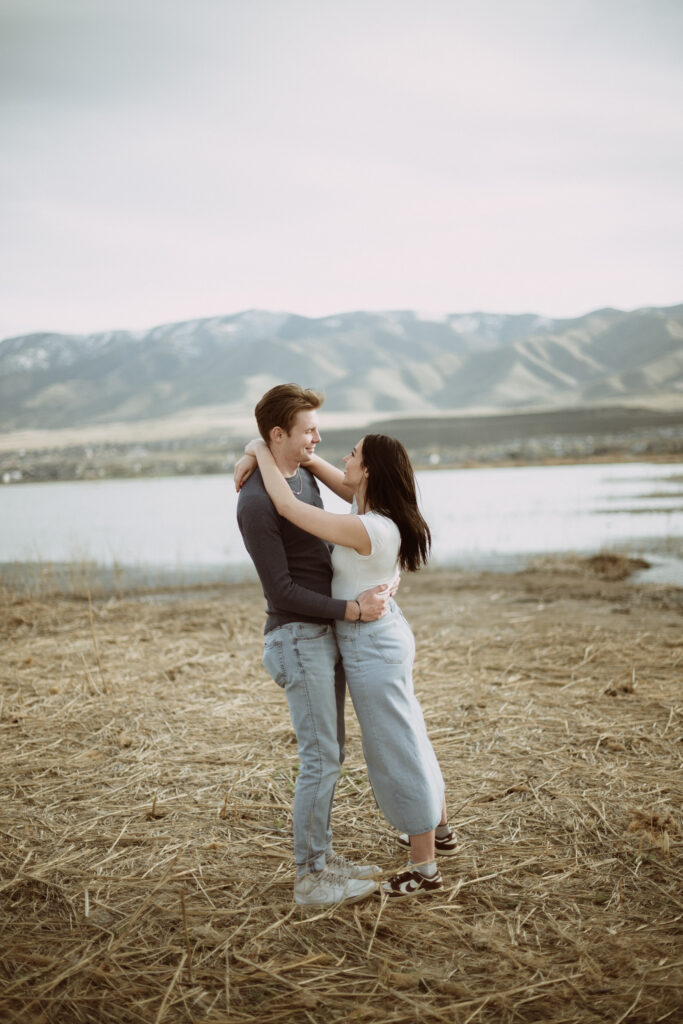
{"points": [[334, 877], [336, 861]]}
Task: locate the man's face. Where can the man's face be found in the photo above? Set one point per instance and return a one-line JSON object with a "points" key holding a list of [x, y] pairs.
{"points": [[300, 443]]}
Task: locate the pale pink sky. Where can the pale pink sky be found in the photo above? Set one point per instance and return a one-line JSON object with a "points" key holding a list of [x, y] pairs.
{"points": [[170, 159]]}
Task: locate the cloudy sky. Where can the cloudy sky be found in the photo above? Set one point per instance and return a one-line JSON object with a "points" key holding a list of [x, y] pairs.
{"points": [[170, 159]]}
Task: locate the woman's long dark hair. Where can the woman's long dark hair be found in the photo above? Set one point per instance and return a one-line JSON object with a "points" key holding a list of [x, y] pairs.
{"points": [[391, 491]]}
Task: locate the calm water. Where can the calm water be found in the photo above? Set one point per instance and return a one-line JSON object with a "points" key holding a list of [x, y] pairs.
{"points": [[480, 518]]}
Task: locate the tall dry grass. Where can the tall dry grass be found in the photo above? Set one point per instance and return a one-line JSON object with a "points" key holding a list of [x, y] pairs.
{"points": [[147, 776]]}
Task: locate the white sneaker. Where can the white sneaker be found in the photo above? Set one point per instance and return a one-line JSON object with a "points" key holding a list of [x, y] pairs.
{"points": [[325, 888], [341, 866]]}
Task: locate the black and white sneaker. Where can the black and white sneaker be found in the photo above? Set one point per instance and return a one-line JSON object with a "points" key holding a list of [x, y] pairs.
{"points": [[412, 883], [445, 847]]}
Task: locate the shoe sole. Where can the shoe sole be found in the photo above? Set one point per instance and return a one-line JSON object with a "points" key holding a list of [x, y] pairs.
{"points": [[338, 903], [412, 895]]}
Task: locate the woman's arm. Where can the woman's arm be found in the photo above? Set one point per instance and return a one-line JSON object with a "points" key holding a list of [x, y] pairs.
{"points": [[347, 530], [244, 467], [331, 476]]}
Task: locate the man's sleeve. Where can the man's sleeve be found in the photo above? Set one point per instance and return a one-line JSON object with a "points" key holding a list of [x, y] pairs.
{"points": [[258, 522]]}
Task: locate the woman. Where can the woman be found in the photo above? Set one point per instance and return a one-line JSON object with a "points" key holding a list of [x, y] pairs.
{"points": [[384, 530]]}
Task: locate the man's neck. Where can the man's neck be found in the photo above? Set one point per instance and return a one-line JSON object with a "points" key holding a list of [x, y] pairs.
{"points": [[286, 466]]}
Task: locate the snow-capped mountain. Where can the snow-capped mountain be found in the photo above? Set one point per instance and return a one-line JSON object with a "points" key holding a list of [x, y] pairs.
{"points": [[404, 362]]}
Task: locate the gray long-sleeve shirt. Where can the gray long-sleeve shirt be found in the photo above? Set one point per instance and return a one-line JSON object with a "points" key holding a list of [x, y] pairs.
{"points": [[294, 567]]}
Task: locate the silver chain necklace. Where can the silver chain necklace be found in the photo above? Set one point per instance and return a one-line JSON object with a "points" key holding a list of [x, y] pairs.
{"points": [[300, 481]]}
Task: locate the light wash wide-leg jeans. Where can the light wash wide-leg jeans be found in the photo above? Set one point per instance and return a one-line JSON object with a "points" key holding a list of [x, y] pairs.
{"points": [[404, 772], [303, 658]]}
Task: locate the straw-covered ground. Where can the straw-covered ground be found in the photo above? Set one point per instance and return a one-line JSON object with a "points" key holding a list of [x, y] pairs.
{"points": [[148, 768]]}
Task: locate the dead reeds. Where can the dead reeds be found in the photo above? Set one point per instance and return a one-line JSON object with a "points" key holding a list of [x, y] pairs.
{"points": [[147, 777]]}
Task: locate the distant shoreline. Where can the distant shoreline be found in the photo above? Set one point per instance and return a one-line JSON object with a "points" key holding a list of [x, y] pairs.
{"points": [[524, 438], [85, 578], [64, 472]]}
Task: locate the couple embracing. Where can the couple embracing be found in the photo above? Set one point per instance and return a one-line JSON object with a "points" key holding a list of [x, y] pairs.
{"points": [[328, 581]]}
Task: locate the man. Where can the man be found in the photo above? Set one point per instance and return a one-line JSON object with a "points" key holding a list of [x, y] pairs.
{"points": [[300, 649]]}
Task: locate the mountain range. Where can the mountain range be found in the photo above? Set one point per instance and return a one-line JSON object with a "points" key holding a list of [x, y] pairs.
{"points": [[402, 363]]}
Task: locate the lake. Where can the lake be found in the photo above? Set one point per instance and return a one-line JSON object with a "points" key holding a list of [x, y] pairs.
{"points": [[495, 518]]}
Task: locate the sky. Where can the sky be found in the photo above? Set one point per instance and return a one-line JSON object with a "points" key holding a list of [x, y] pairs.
{"points": [[163, 160]]}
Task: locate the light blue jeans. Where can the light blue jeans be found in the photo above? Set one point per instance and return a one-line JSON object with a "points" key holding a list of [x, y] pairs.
{"points": [[402, 766], [303, 658]]}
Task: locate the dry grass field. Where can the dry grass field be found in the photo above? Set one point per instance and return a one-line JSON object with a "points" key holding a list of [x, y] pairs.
{"points": [[148, 766]]}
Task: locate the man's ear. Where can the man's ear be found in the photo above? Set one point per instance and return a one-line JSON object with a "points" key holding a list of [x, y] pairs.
{"points": [[276, 434]]}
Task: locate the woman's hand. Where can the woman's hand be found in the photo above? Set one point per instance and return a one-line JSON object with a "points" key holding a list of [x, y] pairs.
{"points": [[244, 467]]}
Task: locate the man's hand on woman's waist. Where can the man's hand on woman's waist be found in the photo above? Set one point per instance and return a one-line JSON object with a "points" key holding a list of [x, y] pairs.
{"points": [[373, 604]]}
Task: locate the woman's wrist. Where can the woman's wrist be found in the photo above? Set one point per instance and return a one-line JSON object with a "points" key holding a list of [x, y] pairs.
{"points": [[251, 447], [360, 611]]}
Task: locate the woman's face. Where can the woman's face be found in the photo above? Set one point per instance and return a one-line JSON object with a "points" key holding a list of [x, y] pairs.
{"points": [[355, 472]]}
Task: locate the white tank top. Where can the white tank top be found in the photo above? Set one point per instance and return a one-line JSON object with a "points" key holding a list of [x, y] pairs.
{"points": [[354, 573]]}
